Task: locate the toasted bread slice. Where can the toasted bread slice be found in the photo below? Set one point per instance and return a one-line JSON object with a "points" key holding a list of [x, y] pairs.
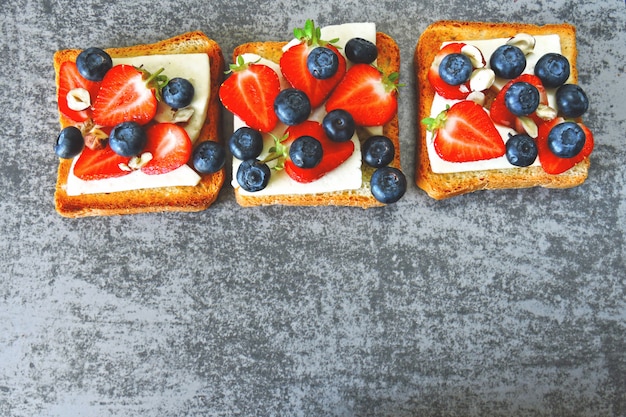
{"points": [[443, 185], [388, 62], [183, 198]]}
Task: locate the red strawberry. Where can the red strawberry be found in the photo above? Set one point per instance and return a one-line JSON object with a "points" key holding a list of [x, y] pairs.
{"points": [[501, 115], [126, 94], [445, 90], [170, 147], [69, 79], [464, 133], [335, 153], [99, 164], [551, 163], [293, 65], [368, 95], [250, 92]]}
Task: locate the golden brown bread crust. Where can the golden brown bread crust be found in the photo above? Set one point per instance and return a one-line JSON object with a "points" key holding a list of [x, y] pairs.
{"points": [[389, 62], [441, 186], [185, 198]]}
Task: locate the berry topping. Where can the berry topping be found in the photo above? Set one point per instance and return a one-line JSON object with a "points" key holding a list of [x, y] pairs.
{"points": [[521, 150], [100, 164], [306, 152], [553, 69], [292, 106], [339, 125], [253, 175], [571, 100], [69, 143], [70, 80], [170, 147], [566, 139], [246, 143], [553, 164], [521, 98], [93, 63], [455, 69], [127, 139], [378, 151], [322, 63], [208, 157], [249, 92], [361, 51], [508, 61], [178, 93], [367, 94], [388, 184]]}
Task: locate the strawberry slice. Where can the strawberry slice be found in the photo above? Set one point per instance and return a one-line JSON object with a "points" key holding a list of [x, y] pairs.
{"points": [[334, 153], [126, 94], [445, 90], [170, 147], [465, 133], [368, 95], [250, 92], [501, 115], [551, 163], [70, 79], [99, 164]]}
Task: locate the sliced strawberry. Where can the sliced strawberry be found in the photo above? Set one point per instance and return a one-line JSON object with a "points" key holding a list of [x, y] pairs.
{"points": [[335, 153], [551, 163], [99, 164], [249, 93], [368, 95], [69, 79], [445, 90], [501, 115], [126, 94], [465, 133], [170, 147]]}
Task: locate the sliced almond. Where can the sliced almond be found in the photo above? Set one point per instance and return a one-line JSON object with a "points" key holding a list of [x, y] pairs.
{"points": [[546, 112], [482, 79], [78, 99], [530, 127], [477, 97], [474, 54], [523, 41]]}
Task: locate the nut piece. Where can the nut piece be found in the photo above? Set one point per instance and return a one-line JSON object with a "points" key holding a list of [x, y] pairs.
{"points": [[546, 112], [482, 79], [523, 41], [477, 97], [175, 116], [78, 99], [529, 126], [137, 162], [474, 54]]}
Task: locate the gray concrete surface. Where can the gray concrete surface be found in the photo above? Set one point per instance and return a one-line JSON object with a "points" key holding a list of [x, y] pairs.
{"points": [[492, 304]]}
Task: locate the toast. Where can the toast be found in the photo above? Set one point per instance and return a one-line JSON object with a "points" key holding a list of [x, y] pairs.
{"points": [[444, 185], [170, 198], [388, 62]]}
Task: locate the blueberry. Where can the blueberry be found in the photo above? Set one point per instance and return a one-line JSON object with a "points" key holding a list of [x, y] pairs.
{"points": [[388, 184], [361, 51], [322, 63], [306, 152], [455, 69], [208, 157], [93, 63], [521, 98], [521, 150], [566, 139], [378, 151], [128, 139], [69, 143], [552, 69], [508, 61], [178, 93], [292, 106], [571, 100], [253, 175], [339, 125], [246, 143]]}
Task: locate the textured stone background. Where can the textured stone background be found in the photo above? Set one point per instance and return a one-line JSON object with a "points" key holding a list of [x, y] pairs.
{"points": [[493, 304]]}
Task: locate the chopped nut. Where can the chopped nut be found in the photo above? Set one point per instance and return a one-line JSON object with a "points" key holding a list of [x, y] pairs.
{"points": [[546, 112], [529, 126], [124, 167], [474, 54], [482, 79], [78, 99], [477, 97], [523, 41], [138, 162]]}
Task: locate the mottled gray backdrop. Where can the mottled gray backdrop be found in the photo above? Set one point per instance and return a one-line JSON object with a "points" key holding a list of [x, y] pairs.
{"points": [[493, 304]]}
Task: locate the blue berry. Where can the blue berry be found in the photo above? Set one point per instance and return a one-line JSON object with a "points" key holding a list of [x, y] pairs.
{"points": [[361, 51], [69, 143], [521, 150], [552, 69], [378, 151], [93, 63], [508, 61], [322, 63], [208, 157], [571, 100], [388, 184], [128, 139], [455, 69], [566, 139], [292, 106], [306, 152], [246, 143], [178, 93], [339, 125], [253, 175], [522, 98]]}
